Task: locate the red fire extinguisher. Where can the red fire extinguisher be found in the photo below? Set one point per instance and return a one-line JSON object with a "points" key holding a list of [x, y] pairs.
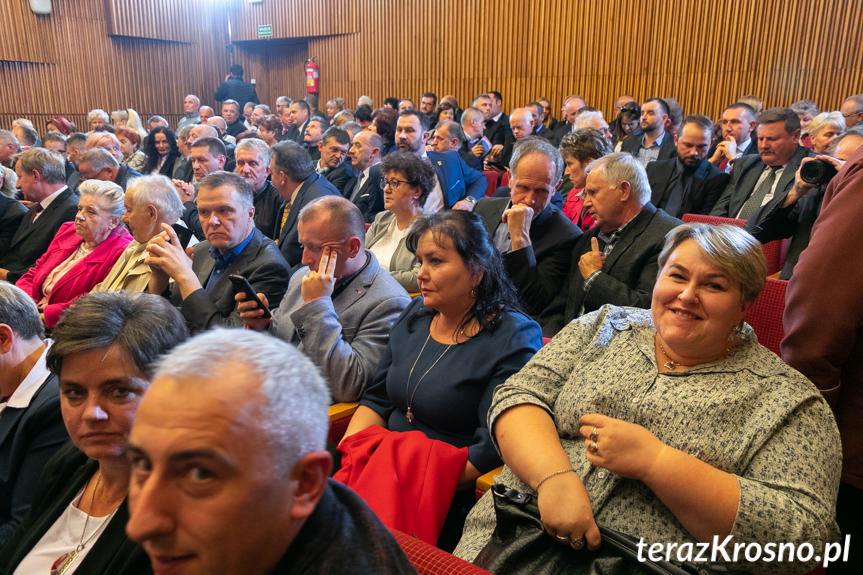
{"points": [[312, 76]]}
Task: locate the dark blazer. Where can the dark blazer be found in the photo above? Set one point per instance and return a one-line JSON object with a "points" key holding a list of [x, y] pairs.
{"points": [[497, 132], [369, 198], [708, 183], [31, 239], [539, 269], [267, 204], [125, 173], [457, 179], [342, 177], [65, 475], [667, 149], [745, 174], [260, 262], [314, 187], [469, 159], [235, 89], [558, 132], [28, 438], [11, 214], [543, 132], [626, 278]]}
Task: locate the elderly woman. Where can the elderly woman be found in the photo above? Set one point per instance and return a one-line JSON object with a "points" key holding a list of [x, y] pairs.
{"points": [[451, 347], [672, 424], [162, 152], [407, 181], [335, 106], [82, 252], [578, 150], [104, 353], [270, 130], [96, 118], [129, 142], [61, 125], [823, 129]]}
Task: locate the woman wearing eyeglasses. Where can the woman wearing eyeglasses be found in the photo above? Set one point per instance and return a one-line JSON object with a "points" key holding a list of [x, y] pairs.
{"points": [[406, 183]]}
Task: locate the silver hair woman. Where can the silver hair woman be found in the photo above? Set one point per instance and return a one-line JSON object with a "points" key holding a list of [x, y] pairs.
{"points": [[672, 424], [823, 129]]}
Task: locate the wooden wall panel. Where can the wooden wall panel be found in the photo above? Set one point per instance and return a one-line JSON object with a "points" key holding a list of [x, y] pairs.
{"points": [[160, 20], [293, 18], [23, 36]]}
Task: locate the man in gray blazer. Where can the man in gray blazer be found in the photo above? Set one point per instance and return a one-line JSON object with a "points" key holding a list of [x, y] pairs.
{"points": [[616, 261], [340, 306]]}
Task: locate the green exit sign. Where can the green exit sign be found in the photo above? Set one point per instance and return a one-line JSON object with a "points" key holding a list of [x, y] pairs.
{"points": [[265, 31]]}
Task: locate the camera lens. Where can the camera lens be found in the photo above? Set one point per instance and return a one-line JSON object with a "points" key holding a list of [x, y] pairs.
{"points": [[817, 172]]}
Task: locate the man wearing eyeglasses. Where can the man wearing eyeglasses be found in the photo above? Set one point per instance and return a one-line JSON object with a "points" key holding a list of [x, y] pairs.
{"points": [[852, 110]]}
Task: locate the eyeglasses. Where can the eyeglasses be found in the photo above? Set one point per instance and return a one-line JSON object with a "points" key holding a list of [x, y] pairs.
{"points": [[852, 114], [392, 183]]}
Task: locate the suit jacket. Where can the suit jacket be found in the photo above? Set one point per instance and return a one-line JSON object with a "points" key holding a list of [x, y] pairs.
{"points": [[267, 204], [627, 276], [314, 187], [744, 176], [708, 183], [404, 265], [80, 278], [498, 131], [543, 132], [558, 132], [369, 198], [539, 269], [11, 213], [235, 89], [345, 335], [31, 239], [125, 173], [29, 436], [469, 159], [667, 149], [342, 178], [111, 553], [260, 262], [457, 180]]}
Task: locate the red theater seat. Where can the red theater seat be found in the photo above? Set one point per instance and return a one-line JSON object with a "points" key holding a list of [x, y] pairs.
{"points": [[774, 252], [430, 560], [765, 315]]}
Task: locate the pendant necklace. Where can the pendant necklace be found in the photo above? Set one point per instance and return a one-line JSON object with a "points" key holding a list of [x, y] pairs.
{"points": [[409, 414]]}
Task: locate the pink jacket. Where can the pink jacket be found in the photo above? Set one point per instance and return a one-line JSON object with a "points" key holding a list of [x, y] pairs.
{"points": [[81, 278]]}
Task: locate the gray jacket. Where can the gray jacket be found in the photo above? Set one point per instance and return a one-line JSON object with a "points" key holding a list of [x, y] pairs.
{"points": [[404, 265]]}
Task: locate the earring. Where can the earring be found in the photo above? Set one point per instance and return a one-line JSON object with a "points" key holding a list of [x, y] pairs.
{"points": [[473, 292]]}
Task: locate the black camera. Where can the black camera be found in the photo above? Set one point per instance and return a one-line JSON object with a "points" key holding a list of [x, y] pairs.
{"points": [[817, 172]]}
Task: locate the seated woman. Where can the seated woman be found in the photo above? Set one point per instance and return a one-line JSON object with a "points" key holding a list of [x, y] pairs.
{"points": [[823, 129], [384, 122], [451, 348], [132, 156], [628, 123], [672, 424], [270, 130], [162, 152], [579, 149], [82, 252], [407, 181], [104, 353]]}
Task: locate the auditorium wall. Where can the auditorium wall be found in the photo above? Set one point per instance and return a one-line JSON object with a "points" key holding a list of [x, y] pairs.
{"points": [[149, 53]]}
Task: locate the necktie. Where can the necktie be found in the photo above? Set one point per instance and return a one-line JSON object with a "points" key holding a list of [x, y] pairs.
{"points": [[356, 191], [754, 202], [287, 210], [36, 211], [723, 164]]}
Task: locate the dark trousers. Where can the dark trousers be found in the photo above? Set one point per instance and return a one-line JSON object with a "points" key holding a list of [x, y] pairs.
{"points": [[850, 522]]}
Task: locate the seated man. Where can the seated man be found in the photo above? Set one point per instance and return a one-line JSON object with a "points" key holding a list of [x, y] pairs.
{"points": [[207, 156], [201, 288], [42, 180], [150, 202], [534, 236], [100, 164], [313, 137], [688, 184], [236, 479], [253, 163], [339, 308], [616, 261], [31, 428], [365, 157], [333, 151]]}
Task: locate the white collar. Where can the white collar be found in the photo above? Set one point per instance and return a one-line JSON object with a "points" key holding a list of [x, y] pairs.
{"points": [[24, 393]]}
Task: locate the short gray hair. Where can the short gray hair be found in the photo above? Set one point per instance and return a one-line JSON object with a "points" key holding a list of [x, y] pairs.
{"points": [[6, 137], [10, 178], [258, 146], [622, 167], [19, 312], [108, 192], [537, 145], [293, 397], [293, 160], [365, 100], [157, 190], [99, 159], [852, 132], [470, 115], [804, 107], [50, 164], [122, 115], [222, 178], [584, 118], [98, 113], [730, 248], [825, 120]]}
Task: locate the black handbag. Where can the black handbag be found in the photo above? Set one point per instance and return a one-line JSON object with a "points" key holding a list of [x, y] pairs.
{"points": [[520, 545]]}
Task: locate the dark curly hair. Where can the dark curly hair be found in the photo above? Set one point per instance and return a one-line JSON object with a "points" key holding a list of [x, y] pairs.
{"points": [[471, 241], [271, 123], [415, 170]]}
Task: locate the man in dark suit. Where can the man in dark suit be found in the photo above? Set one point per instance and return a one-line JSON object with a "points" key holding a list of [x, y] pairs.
{"points": [[571, 105], [738, 122], [497, 128], [615, 262], [253, 164], [365, 191], [231, 113], [539, 117], [293, 174], [533, 236], [202, 289], [11, 213], [299, 112], [476, 145], [42, 180], [757, 180], [333, 151], [234, 88], [457, 185], [313, 137], [687, 184], [654, 143], [31, 428], [100, 164]]}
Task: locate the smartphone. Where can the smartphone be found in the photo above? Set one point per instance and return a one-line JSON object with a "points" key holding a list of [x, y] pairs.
{"points": [[241, 284]]}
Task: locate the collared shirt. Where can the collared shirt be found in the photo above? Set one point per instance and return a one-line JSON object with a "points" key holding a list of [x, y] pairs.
{"points": [[47, 201], [647, 154], [223, 259], [434, 201], [502, 238], [765, 173], [361, 179], [609, 240], [25, 391], [320, 168]]}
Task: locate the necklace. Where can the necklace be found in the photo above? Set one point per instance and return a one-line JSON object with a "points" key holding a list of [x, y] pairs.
{"points": [[671, 364], [409, 414], [65, 560]]}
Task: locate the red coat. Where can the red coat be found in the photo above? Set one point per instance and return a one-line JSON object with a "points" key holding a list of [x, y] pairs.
{"points": [[80, 278], [406, 478], [573, 208]]}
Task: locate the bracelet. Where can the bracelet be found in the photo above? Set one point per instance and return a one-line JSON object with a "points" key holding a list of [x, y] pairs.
{"points": [[550, 475]]}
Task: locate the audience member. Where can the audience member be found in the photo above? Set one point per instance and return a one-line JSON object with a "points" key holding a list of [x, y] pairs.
{"points": [[61, 125], [206, 113], [738, 123], [100, 164], [334, 106], [312, 138], [234, 88], [654, 143], [805, 110], [571, 105], [134, 158], [191, 112], [539, 128], [823, 129], [384, 121], [12, 212], [627, 123], [476, 145], [270, 130], [253, 163], [9, 146], [521, 122], [299, 112], [333, 150], [363, 116], [497, 128], [852, 110], [97, 117], [231, 115], [365, 157], [161, 151], [578, 149]]}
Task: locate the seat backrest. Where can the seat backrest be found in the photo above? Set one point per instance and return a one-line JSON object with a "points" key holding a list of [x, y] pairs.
{"points": [[712, 220], [504, 179], [428, 560], [491, 182], [765, 314], [774, 252]]}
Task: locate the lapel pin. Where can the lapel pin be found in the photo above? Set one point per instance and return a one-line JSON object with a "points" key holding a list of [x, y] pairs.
{"points": [[439, 163]]}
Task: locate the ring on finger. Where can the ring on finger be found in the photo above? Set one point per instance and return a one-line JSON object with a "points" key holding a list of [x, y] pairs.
{"points": [[577, 543], [592, 447], [594, 435], [561, 538]]}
